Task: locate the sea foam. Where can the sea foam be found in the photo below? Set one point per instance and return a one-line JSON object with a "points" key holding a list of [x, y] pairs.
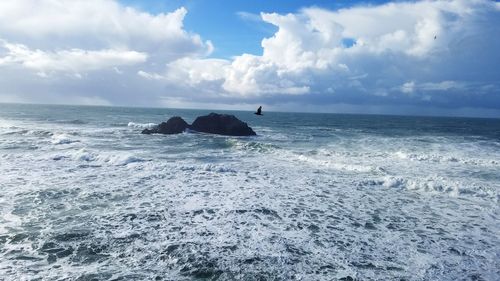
{"points": [[313, 197], [141, 125]]}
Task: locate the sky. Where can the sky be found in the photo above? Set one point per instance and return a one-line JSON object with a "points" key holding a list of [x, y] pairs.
{"points": [[380, 57]]}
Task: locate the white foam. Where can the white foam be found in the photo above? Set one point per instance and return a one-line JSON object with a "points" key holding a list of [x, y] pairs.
{"points": [[447, 157], [427, 184], [85, 155], [267, 207], [141, 125], [336, 164], [218, 169], [62, 139], [327, 162], [401, 155]]}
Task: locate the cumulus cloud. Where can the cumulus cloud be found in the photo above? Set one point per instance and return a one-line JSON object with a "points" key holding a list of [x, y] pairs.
{"points": [[97, 24], [400, 54], [86, 35], [101, 43], [439, 54], [73, 60]]}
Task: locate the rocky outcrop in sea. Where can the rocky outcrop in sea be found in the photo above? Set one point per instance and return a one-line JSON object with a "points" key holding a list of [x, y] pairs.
{"points": [[213, 123]]}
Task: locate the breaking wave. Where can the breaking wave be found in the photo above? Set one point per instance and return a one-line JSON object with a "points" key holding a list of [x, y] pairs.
{"points": [[141, 125]]}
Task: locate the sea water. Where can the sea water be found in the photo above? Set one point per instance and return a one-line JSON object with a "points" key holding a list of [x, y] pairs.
{"points": [[85, 196]]}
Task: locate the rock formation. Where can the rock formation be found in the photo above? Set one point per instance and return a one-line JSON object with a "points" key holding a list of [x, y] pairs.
{"points": [[220, 124], [174, 125]]}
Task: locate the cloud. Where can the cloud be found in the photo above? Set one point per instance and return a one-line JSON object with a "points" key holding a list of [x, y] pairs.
{"points": [[425, 54], [408, 87], [98, 24], [69, 31], [442, 86], [73, 61], [99, 44], [411, 86], [400, 53]]}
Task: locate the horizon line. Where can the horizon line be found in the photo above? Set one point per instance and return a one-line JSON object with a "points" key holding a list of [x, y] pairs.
{"points": [[242, 110]]}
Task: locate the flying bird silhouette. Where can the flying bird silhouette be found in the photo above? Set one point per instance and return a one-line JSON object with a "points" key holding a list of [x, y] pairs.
{"points": [[259, 111]]}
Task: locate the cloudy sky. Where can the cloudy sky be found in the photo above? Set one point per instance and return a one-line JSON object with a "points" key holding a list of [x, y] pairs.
{"points": [[392, 57]]}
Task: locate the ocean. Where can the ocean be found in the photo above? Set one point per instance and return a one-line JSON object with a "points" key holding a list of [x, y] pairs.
{"points": [[85, 196]]}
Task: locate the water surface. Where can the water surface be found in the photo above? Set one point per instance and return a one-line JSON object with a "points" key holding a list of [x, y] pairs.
{"points": [[85, 196]]}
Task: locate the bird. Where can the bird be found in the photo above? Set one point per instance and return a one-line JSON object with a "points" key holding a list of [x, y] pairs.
{"points": [[259, 111], [435, 36]]}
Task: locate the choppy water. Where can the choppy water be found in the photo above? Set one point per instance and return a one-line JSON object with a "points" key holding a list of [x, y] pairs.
{"points": [[85, 196]]}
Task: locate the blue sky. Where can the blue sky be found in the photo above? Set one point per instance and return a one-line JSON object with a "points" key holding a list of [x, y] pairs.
{"points": [[232, 25], [390, 57]]}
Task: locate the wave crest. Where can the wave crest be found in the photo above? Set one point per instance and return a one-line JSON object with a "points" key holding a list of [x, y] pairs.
{"points": [[85, 155], [141, 125]]}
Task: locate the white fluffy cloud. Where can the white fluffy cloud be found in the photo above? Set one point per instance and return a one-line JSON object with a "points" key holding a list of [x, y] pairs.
{"points": [[97, 24], [358, 53], [66, 51], [69, 61], [417, 54], [86, 35]]}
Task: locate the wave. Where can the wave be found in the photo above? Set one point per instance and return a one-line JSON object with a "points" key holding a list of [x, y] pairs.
{"points": [[335, 164], [318, 158], [73, 121], [327, 161], [86, 155], [432, 184], [207, 168], [141, 125], [62, 139], [17, 131], [218, 169], [253, 146], [422, 157], [26, 132]]}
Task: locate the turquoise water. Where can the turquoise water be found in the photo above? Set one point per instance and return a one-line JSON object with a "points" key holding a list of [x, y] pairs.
{"points": [[312, 197]]}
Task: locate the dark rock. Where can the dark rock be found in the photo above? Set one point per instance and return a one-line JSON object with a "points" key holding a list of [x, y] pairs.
{"points": [[174, 125], [221, 124]]}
